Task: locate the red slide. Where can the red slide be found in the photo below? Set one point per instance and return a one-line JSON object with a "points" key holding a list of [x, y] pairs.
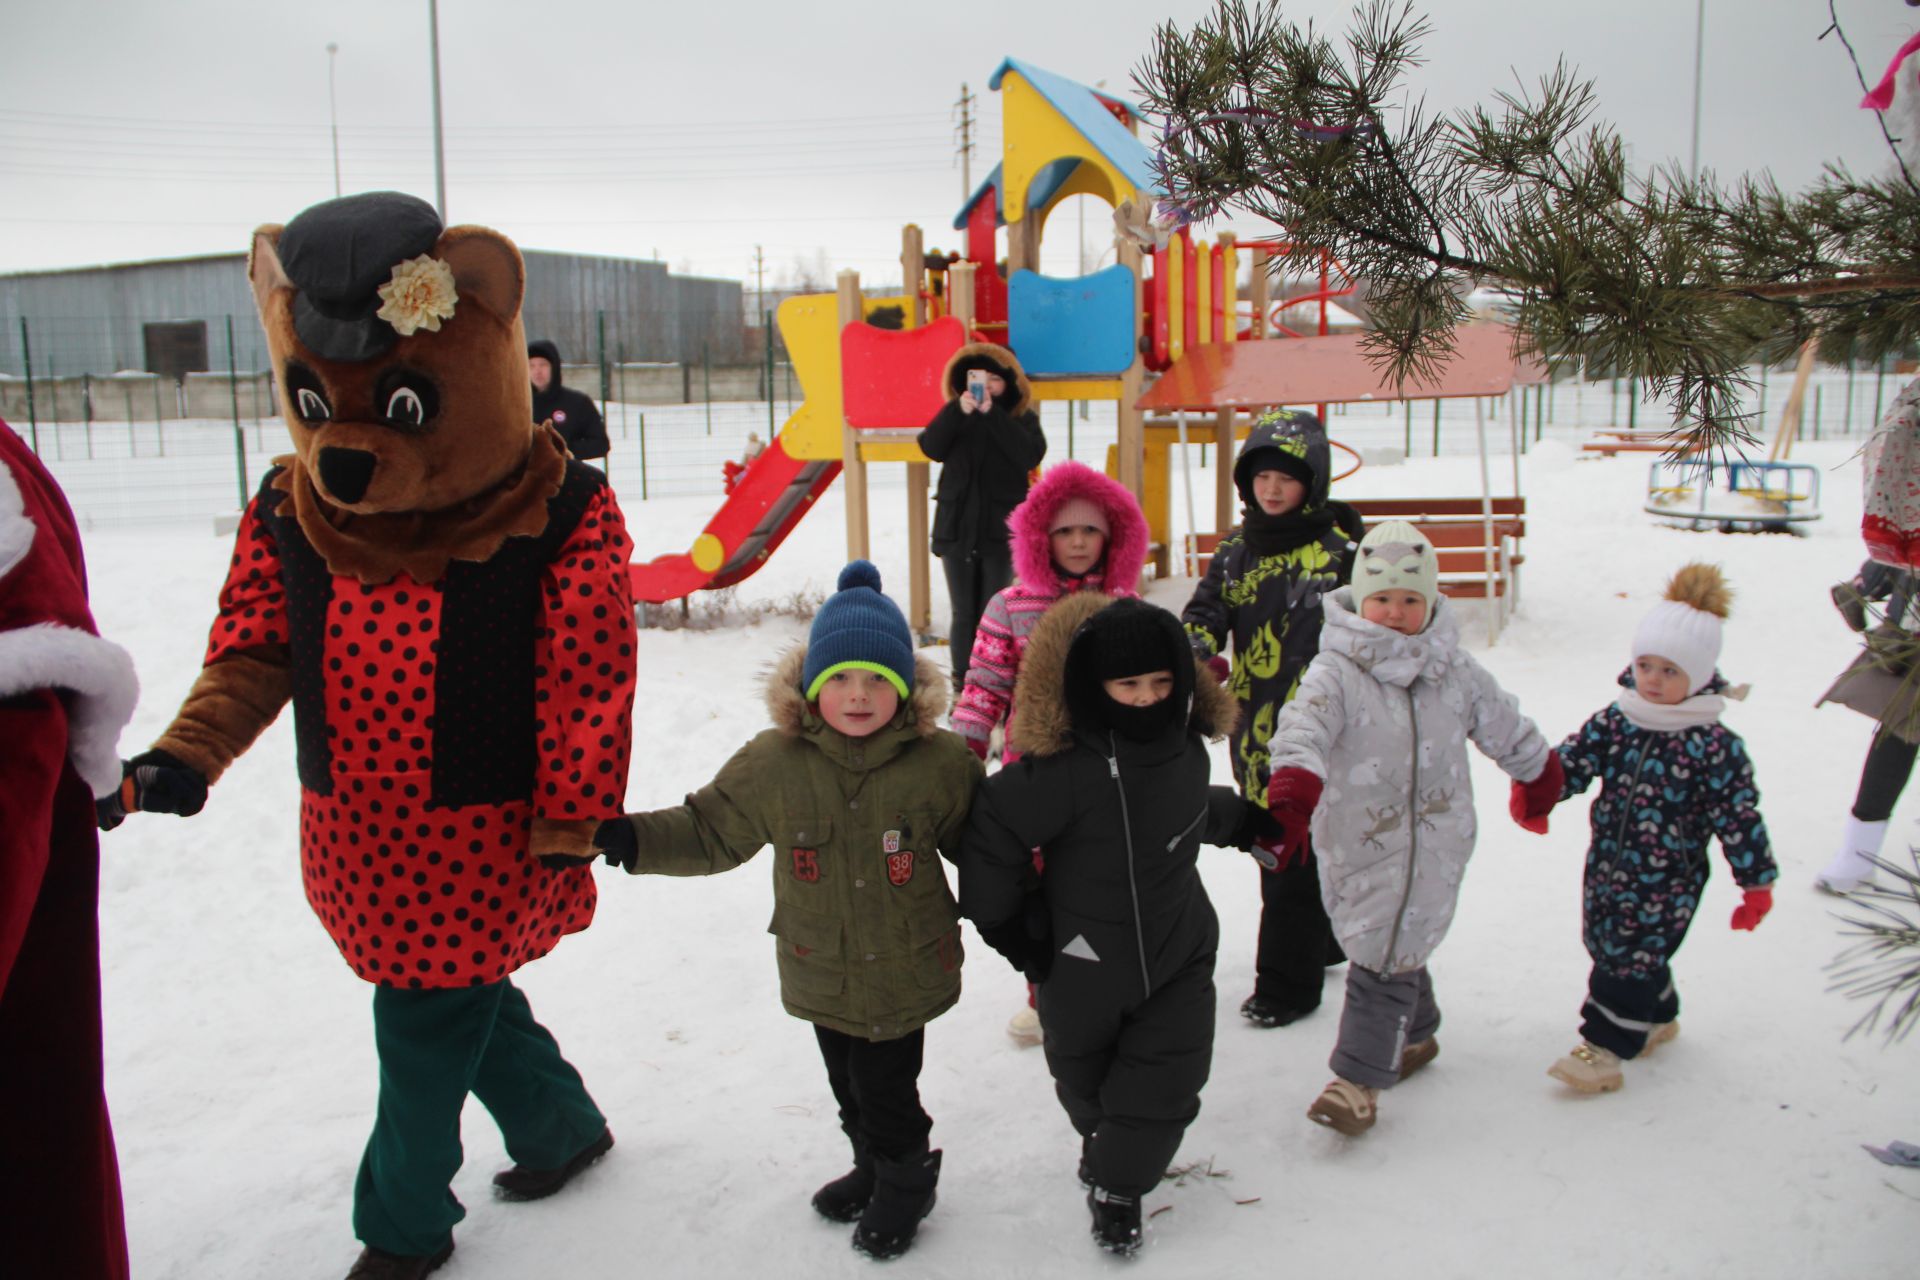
{"points": [[767, 501]]}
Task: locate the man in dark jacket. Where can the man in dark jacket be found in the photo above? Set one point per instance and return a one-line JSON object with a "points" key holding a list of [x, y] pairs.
{"points": [[985, 449], [571, 412], [1112, 788]]}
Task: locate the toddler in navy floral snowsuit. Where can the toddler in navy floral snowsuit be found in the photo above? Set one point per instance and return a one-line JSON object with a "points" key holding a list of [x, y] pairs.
{"points": [[1671, 777]]}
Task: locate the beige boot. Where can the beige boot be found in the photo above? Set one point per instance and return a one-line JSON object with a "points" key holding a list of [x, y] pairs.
{"points": [[1851, 867], [1416, 1056], [1590, 1069], [1345, 1106], [1661, 1033], [1024, 1027]]}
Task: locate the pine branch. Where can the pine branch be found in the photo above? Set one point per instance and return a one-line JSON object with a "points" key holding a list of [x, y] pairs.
{"points": [[1670, 278]]}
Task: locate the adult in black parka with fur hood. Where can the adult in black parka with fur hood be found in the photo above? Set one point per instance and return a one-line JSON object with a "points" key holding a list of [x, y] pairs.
{"points": [[571, 412], [1117, 929], [986, 453]]}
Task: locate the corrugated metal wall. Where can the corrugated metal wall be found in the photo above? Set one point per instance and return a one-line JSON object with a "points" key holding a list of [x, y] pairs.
{"points": [[91, 320]]}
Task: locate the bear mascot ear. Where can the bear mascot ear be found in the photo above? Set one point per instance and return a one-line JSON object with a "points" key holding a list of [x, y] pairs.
{"points": [[264, 271], [486, 269]]}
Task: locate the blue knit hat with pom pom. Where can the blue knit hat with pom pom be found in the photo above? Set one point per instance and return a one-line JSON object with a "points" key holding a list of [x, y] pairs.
{"points": [[859, 628]]}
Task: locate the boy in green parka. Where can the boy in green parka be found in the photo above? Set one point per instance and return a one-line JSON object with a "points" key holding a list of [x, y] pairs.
{"points": [[859, 791]]}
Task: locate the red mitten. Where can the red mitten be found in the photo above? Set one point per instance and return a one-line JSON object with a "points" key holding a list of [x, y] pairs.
{"points": [[1291, 797], [1531, 802], [1753, 908], [1221, 669], [976, 745]]}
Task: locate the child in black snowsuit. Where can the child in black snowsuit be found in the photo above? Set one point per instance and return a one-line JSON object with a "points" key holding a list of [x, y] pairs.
{"points": [[1261, 596], [1117, 930]]}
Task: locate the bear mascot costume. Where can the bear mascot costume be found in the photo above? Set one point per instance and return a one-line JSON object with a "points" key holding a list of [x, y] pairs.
{"points": [[442, 594]]}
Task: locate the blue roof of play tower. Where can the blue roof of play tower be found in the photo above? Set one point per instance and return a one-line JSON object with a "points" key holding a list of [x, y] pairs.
{"points": [[1081, 108]]}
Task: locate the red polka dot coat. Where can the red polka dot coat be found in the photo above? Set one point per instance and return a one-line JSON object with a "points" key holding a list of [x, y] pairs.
{"points": [[436, 721]]}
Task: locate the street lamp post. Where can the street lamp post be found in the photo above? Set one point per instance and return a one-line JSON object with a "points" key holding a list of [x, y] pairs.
{"points": [[439, 149], [333, 117], [1699, 56]]}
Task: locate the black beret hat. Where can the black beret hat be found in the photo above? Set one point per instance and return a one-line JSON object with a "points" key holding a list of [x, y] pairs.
{"points": [[338, 254]]}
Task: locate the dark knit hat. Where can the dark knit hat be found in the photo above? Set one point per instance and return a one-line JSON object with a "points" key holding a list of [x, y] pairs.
{"points": [[337, 255], [1130, 642], [858, 628]]}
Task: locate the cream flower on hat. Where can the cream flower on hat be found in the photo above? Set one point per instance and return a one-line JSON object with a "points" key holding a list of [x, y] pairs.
{"points": [[419, 296]]}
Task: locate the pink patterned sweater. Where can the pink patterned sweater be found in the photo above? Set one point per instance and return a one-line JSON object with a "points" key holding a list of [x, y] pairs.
{"points": [[1001, 638]]}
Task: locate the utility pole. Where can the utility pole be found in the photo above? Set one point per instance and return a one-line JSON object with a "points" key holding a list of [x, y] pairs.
{"points": [[965, 107], [760, 280], [333, 117], [1699, 56], [439, 148]]}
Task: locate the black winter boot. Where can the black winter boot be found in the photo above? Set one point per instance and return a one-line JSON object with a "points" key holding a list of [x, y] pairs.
{"points": [[845, 1198], [522, 1183], [903, 1194], [1086, 1162], [378, 1264], [1116, 1221]]}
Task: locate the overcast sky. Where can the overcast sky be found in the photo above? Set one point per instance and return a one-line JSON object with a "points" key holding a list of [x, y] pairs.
{"points": [[693, 131]]}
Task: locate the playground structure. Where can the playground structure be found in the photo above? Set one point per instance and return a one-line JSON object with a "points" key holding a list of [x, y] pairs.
{"points": [[1772, 496], [867, 391], [1170, 304]]}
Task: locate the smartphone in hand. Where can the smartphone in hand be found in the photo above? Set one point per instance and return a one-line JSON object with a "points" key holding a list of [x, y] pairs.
{"points": [[977, 387]]}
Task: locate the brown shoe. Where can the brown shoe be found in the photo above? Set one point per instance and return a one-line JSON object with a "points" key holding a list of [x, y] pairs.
{"points": [[522, 1183], [1661, 1033], [1416, 1056], [1345, 1107], [1589, 1068], [378, 1264]]}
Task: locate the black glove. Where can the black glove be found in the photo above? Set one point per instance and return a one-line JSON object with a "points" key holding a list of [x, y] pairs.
{"points": [[1026, 940], [152, 782], [615, 839]]}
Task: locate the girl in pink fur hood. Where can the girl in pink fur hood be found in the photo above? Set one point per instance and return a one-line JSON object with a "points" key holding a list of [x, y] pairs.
{"points": [[1078, 530]]}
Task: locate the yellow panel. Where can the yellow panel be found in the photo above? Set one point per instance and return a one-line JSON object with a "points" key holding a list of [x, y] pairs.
{"points": [[1156, 498], [1033, 135], [810, 326], [901, 300], [1203, 290], [891, 451], [1231, 308], [1077, 389]]}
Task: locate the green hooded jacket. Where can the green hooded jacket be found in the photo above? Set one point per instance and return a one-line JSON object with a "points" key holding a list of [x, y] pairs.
{"points": [[864, 925]]}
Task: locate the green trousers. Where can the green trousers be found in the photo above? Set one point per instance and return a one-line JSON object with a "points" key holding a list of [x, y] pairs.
{"points": [[436, 1047]]}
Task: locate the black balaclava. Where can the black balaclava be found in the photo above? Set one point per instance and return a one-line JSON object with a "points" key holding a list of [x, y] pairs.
{"points": [[1128, 638], [1007, 399]]}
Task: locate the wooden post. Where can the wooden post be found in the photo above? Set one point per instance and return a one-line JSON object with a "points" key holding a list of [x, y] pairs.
{"points": [[913, 271], [1259, 287], [1228, 303], [919, 551], [853, 468], [1023, 244], [1223, 490], [960, 294]]}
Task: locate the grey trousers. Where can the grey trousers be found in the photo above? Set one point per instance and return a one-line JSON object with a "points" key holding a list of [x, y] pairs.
{"points": [[1384, 1013]]}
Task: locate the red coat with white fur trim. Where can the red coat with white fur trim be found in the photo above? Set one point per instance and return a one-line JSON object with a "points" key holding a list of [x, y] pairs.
{"points": [[65, 694]]}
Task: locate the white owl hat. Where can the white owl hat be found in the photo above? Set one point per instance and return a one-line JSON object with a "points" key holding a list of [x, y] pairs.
{"points": [[1395, 556]]}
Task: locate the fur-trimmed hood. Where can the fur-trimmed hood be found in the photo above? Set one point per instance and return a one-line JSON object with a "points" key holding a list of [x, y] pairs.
{"points": [[1031, 521], [1042, 724], [994, 358], [47, 635], [794, 718]]}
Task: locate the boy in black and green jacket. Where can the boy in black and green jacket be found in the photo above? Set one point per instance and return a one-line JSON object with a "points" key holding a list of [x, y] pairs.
{"points": [[1262, 593]]}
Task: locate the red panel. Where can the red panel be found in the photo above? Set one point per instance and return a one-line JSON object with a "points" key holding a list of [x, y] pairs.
{"points": [[891, 377], [1221, 319], [1158, 306], [1189, 294], [1330, 370]]}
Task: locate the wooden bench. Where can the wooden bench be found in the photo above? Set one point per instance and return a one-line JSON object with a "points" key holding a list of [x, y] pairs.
{"points": [[1457, 528], [1617, 440]]}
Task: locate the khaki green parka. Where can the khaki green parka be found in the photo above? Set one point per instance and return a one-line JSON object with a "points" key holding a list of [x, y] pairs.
{"points": [[864, 925]]}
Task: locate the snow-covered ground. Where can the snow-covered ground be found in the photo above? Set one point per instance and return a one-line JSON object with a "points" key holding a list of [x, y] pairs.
{"points": [[241, 1071]]}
